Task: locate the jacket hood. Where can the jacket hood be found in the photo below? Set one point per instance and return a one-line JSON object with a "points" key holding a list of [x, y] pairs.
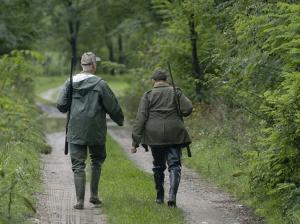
{"points": [[85, 81]]}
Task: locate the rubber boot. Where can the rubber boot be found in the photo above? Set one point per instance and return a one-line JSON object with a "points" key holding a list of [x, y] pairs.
{"points": [[159, 186], [79, 180], [175, 175], [95, 178]]}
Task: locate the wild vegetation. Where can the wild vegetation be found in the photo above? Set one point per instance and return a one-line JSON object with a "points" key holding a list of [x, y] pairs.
{"points": [[21, 138], [238, 61]]}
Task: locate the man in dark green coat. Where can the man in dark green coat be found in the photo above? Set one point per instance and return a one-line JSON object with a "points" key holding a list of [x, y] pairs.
{"points": [[92, 99], [159, 125]]}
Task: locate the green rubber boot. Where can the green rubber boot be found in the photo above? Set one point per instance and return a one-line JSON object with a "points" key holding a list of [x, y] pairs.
{"points": [[95, 178], [79, 180]]}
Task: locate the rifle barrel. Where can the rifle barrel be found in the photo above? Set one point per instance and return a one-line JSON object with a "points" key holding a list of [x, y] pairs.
{"points": [[178, 105], [69, 93]]}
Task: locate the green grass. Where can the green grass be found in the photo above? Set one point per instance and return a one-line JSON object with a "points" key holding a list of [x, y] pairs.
{"points": [[118, 83], [21, 142], [219, 163], [52, 125], [223, 153], [128, 193], [44, 83]]}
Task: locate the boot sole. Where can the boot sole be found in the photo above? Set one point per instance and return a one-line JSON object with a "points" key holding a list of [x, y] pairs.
{"points": [[172, 204], [96, 202], [159, 202], [78, 207]]}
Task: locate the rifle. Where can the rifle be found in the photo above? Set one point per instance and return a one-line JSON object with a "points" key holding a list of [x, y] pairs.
{"points": [[178, 105], [69, 98]]}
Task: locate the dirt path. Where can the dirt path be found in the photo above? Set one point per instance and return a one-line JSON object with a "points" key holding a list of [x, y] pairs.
{"points": [[201, 202], [55, 205], [50, 93]]}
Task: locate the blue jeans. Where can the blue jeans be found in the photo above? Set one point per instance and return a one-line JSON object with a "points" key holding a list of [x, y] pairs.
{"points": [[162, 155]]}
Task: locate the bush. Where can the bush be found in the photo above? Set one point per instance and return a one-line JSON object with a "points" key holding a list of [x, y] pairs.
{"points": [[21, 137]]}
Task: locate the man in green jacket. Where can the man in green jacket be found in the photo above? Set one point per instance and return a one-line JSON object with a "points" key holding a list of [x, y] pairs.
{"points": [[92, 99], [159, 125]]}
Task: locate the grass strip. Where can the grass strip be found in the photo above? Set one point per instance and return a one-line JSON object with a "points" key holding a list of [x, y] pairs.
{"points": [[43, 83], [128, 193]]}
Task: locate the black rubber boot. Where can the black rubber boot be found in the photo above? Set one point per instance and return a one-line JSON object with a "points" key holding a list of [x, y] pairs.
{"points": [[175, 175], [95, 178], [79, 180], [159, 186]]}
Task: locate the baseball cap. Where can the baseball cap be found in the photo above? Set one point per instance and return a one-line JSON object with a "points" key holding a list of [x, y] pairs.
{"points": [[88, 58]]}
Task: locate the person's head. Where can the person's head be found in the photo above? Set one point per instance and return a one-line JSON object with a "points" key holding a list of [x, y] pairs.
{"points": [[88, 62], [159, 75]]}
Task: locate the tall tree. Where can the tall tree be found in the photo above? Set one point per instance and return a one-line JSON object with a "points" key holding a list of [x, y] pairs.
{"points": [[73, 19], [196, 69], [18, 32], [68, 18]]}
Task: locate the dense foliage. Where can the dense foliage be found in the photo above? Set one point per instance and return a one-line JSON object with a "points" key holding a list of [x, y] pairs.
{"points": [[238, 60], [21, 138], [19, 24], [248, 83]]}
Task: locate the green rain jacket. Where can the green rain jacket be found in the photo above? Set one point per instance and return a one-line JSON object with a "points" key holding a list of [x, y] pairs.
{"points": [[157, 122], [92, 99]]}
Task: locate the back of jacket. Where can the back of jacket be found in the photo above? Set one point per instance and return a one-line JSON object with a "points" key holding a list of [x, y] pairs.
{"points": [[91, 100], [157, 122]]}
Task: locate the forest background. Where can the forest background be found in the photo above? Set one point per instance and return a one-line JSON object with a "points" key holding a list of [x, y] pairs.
{"points": [[239, 61]]}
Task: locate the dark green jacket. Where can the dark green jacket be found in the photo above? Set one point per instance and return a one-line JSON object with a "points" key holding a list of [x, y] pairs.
{"points": [[92, 100], [157, 122]]}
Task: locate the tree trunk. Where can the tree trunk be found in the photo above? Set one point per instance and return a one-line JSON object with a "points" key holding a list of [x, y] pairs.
{"points": [[196, 69], [73, 24], [73, 43], [110, 48], [121, 52]]}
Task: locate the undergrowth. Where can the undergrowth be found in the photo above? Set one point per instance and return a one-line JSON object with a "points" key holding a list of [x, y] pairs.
{"points": [[21, 138]]}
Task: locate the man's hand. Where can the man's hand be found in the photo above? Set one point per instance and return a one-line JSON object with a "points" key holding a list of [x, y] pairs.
{"points": [[133, 149]]}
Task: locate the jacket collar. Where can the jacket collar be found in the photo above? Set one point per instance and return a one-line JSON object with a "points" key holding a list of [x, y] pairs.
{"points": [[161, 84], [82, 76]]}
